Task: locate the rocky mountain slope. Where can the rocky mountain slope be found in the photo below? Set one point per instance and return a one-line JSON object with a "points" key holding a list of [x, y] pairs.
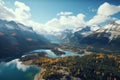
{"points": [[16, 38], [108, 35]]}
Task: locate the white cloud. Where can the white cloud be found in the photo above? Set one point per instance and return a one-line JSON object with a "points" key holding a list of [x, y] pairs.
{"points": [[104, 13], [75, 21], [5, 13], [53, 25], [108, 9], [64, 22], [21, 13], [64, 13], [65, 19], [98, 19]]}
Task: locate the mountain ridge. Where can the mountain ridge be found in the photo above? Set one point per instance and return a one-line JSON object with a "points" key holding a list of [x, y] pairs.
{"points": [[16, 39], [107, 37]]}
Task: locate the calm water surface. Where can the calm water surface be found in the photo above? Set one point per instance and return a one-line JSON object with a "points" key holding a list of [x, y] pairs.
{"points": [[15, 70]]}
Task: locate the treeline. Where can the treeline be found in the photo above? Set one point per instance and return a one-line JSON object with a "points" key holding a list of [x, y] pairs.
{"points": [[88, 67]]}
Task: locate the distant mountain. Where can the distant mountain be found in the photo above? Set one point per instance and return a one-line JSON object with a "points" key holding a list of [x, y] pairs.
{"points": [[108, 34], [16, 38], [112, 29], [107, 38], [73, 36], [53, 38], [103, 38], [65, 36]]}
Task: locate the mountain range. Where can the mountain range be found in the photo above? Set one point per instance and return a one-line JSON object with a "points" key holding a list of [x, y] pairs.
{"points": [[16, 38], [103, 38]]}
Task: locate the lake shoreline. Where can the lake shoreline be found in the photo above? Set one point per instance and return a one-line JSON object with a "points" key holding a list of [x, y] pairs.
{"points": [[39, 75]]}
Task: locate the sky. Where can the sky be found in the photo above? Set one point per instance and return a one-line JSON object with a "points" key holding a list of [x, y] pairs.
{"points": [[57, 15]]}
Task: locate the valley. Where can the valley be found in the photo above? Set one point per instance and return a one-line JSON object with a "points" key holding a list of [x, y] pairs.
{"points": [[95, 57], [81, 55], [59, 40]]}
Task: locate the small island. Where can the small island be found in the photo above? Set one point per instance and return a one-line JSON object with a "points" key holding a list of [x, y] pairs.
{"points": [[57, 51]]}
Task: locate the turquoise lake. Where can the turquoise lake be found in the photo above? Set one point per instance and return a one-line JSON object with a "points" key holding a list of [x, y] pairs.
{"points": [[15, 70]]}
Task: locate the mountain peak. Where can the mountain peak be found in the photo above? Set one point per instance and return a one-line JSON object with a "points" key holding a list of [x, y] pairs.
{"points": [[12, 25], [16, 38]]}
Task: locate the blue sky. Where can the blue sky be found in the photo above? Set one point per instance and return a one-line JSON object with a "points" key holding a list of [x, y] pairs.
{"points": [[44, 10], [58, 15]]}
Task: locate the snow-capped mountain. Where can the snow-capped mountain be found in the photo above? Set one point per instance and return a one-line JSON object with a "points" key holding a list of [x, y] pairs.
{"points": [[107, 37], [109, 32], [86, 29], [102, 39], [76, 34], [112, 29], [11, 25]]}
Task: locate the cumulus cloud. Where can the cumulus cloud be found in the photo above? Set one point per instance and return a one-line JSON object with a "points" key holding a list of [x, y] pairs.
{"points": [[64, 22], [53, 25], [75, 21], [108, 9], [104, 13], [98, 19], [6, 13], [21, 13]]}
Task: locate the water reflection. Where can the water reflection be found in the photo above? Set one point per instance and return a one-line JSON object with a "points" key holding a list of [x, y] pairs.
{"points": [[15, 70]]}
